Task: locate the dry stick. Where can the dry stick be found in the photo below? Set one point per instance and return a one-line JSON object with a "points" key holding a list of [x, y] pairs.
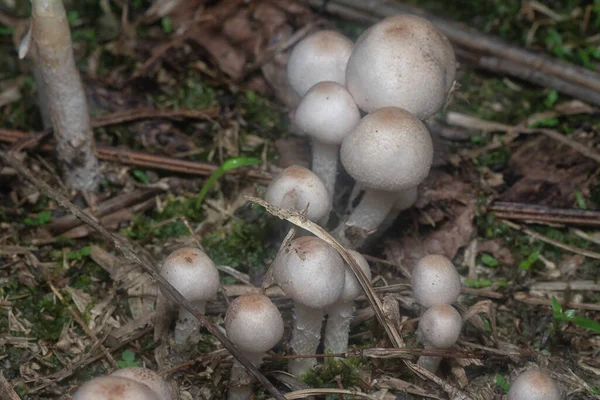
{"points": [[6, 390], [533, 218], [539, 209], [486, 51], [535, 235], [301, 394], [120, 117], [148, 264]]}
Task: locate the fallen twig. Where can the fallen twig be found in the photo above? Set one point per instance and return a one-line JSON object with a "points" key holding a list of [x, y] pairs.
{"points": [[6, 390]]}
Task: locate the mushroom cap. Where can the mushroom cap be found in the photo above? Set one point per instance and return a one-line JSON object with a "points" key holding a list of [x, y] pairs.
{"points": [[406, 199], [114, 388], [300, 187], [401, 61], [310, 272], [534, 384], [435, 281], [352, 288], [192, 273], [253, 323], [319, 57], [440, 326], [327, 113], [149, 378], [390, 149]]}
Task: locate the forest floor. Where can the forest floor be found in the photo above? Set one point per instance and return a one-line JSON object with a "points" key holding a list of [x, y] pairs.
{"points": [[511, 206]]}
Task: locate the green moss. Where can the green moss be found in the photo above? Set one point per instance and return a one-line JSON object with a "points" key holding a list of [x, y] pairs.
{"points": [[192, 93], [324, 376]]}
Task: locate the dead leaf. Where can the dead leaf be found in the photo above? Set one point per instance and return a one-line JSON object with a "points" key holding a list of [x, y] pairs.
{"points": [[293, 151], [453, 234], [496, 248]]}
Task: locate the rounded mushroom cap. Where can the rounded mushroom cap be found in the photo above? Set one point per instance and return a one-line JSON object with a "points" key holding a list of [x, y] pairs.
{"points": [[114, 388], [406, 199], [310, 272], [253, 323], [192, 273], [319, 57], [296, 188], [440, 326], [401, 61], [149, 378], [534, 385], [352, 288], [435, 281], [388, 150], [327, 113]]}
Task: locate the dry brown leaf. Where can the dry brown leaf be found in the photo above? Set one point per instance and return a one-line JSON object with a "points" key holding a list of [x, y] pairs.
{"points": [[496, 248], [453, 234]]}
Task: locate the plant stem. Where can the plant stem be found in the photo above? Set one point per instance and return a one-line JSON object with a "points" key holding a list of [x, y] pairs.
{"points": [[324, 163], [338, 327], [305, 337]]}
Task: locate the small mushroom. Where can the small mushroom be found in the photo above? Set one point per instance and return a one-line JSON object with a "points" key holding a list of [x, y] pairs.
{"points": [[439, 328], [195, 276], [401, 61], [319, 57], [534, 384], [254, 325], [114, 388], [435, 281], [327, 113], [340, 314], [298, 188], [149, 378], [311, 273], [389, 151]]}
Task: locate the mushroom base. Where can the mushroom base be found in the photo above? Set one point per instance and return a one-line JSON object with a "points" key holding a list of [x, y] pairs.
{"points": [[241, 380], [430, 363], [187, 323]]}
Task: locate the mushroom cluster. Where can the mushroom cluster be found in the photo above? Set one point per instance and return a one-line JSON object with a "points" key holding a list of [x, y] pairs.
{"points": [[399, 72]]}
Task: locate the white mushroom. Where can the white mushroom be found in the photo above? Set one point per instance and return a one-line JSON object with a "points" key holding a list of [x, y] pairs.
{"points": [[149, 378], [327, 113], [435, 281], [341, 312], [319, 57], [389, 151], [254, 325], [195, 276], [401, 61], [311, 273], [439, 328], [534, 384], [298, 188], [114, 388]]}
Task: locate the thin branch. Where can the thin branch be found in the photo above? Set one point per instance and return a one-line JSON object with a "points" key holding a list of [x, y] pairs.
{"points": [[147, 263]]}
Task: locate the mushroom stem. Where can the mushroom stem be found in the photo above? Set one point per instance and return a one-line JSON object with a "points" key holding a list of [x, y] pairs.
{"points": [[337, 330], [241, 380], [366, 217], [325, 162], [430, 363], [187, 323], [305, 337]]}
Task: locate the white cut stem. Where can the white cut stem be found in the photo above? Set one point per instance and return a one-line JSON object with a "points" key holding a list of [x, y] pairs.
{"points": [[305, 337], [241, 380], [325, 163], [187, 323], [338, 327], [51, 41]]}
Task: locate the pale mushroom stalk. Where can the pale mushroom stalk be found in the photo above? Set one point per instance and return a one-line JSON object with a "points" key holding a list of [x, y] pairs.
{"points": [[51, 43], [325, 163], [305, 337], [372, 210], [187, 323], [241, 376]]}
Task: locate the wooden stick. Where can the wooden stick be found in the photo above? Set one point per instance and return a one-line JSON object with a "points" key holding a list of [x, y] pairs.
{"points": [[6, 390]]}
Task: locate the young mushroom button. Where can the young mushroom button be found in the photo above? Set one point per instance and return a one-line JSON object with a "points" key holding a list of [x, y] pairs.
{"points": [[401, 61], [389, 151], [435, 281], [319, 57], [327, 113], [534, 385], [195, 276], [298, 188], [439, 328], [254, 325], [149, 378], [311, 273], [114, 388]]}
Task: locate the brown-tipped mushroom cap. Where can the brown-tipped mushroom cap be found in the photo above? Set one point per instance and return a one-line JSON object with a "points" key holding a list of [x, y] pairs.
{"points": [[327, 113], [310, 272], [389, 150], [352, 288], [319, 57], [149, 378], [440, 326], [114, 388], [534, 385], [401, 61], [298, 187], [435, 281], [192, 273], [253, 323]]}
